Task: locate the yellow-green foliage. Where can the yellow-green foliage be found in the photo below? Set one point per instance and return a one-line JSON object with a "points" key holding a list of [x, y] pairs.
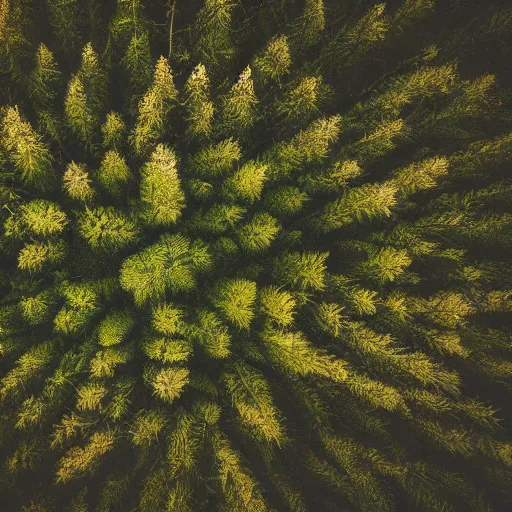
{"points": [[255, 256]]}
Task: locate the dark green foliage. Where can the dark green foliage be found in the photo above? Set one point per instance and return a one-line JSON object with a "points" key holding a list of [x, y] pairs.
{"points": [[255, 256]]}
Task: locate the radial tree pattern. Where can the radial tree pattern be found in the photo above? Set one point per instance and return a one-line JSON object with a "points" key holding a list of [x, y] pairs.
{"points": [[255, 256]]}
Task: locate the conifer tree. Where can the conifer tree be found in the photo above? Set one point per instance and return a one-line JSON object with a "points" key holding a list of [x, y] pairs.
{"points": [[160, 190], [200, 108], [106, 229], [238, 112], [113, 173], [77, 183], [213, 33], [26, 150], [154, 108], [275, 60]]}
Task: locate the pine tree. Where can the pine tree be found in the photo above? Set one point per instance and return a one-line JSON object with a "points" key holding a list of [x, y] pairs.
{"points": [[106, 229], [246, 184], [213, 34], [258, 234], [369, 201], [154, 108], [215, 160], [275, 61], [235, 300], [113, 130], [200, 108], [252, 398], [302, 271], [238, 112], [114, 328], [168, 383], [310, 24], [77, 183], [160, 189], [45, 81], [37, 255], [278, 305], [113, 173], [26, 150], [170, 264]]}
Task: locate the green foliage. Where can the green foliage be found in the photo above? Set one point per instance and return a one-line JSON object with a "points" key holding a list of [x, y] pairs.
{"points": [[302, 271], [238, 110], [26, 150], [303, 100], [309, 25], [171, 264], [115, 328], [45, 79], [278, 305], [307, 147], [258, 234], [268, 270], [27, 368], [160, 190], [239, 489], [252, 398], [246, 184], [199, 107], [113, 130], [79, 461], [77, 183], [275, 61], [212, 334], [168, 383], [235, 300], [114, 172], [215, 160], [370, 200], [37, 255], [285, 200], [167, 319], [36, 310], [146, 426], [153, 108], [43, 218], [106, 229], [213, 34]]}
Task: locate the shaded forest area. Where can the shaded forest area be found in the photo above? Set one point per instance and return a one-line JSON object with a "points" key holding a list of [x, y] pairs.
{"points": [[255, 255]]}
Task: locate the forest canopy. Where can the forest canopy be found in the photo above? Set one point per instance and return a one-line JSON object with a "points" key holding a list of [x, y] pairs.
{"points": [[255, 255]]}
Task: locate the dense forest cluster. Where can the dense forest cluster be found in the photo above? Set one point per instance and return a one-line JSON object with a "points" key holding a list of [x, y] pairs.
{"points": [[256, 255]]}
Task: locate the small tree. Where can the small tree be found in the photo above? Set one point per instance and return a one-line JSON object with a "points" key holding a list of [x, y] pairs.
{"points": [[106, 229], [278, 305], [258, 234], [154, 108], [238, 112], [215, 160], [77, 183], [160, 189], [275, 61], [246, 184], [234, 298], [26, 150], [113, 173], [168, 383], [301, 271], [115, 328], [200, 109], [113, 130], [171, 264]]}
